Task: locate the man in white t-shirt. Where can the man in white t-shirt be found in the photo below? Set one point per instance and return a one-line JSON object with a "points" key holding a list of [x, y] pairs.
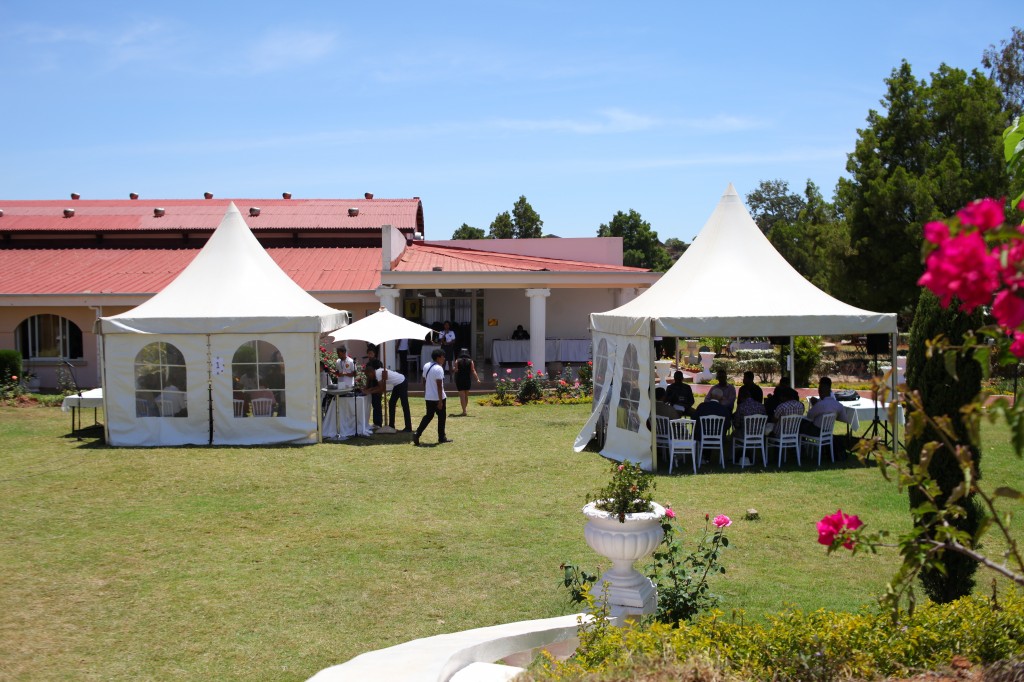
{"points": [[434, 396], [447, 338], [346, 369], [398, 385]]}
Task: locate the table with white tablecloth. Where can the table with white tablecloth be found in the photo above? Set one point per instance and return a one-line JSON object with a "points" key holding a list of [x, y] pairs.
{"points": [[555, 350], [864, 410], [345, 415], [76, 403]]}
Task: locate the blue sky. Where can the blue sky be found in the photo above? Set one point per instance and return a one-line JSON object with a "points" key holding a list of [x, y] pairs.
{"points": [[586, 108]]}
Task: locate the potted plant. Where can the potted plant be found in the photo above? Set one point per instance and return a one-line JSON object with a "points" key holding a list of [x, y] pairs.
{"points": [[624, 525]]}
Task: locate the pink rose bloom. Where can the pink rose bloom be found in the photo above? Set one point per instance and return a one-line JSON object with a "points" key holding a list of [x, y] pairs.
{"points": [[1017, 347], [962, 267], [669, 513], [621, 467], [508, 371], [722, 521], [529, 364], [834, 524], [495, 375], [1008, 309], [936, 232], [984, 214]]}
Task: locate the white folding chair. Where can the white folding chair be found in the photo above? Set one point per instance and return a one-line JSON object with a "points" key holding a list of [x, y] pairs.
{"points": [[752, 437], [682, 442], [141, 407], [712, 436], [786, 435], [828, 423], [663, 433], [165, 407], [262, 407], [239, 407]]}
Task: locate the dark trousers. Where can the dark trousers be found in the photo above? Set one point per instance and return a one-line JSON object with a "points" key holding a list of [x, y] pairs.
{"points": [[403, 361], [434, 408], [377, 401], [399, 392]]}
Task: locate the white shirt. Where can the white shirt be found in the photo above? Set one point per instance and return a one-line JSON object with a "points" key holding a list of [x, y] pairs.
{"points": [[403, 344], [432, 373], [346, 366], [448, 337], [394, 378]]}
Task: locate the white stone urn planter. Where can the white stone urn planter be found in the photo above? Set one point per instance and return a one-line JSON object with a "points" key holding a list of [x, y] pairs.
{"points": [[707, 358], [628, 591], [691, 351], [664, 371]]}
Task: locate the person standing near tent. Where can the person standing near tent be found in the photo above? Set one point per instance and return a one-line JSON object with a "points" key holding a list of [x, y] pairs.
{"points": [[346, 369], [465, 370], [434, 397], [447, 338], [399, 386], [374, 388]]}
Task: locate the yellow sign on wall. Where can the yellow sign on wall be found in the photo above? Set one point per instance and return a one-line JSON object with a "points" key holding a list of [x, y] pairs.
{"points": [[493, 322]]}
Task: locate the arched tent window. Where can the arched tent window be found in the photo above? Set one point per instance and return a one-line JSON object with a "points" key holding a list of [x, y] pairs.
{"points": [[161, 386], [600, 368], [628, 415], [48, 336], [257, 371]]}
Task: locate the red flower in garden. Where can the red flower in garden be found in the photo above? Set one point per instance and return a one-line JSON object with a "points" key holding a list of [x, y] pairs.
{"points": [[669, 513], [962, 267], [984, 214], [1017, 347], [936, 232], [1008, 309], [836, 524]]}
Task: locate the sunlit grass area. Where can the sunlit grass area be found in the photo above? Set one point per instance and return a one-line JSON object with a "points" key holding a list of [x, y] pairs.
{"points": [[272, 563]]}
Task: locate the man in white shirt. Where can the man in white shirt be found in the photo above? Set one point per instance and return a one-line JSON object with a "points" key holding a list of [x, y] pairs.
{"points": [[346, 369], [447, 338], [434, 396], [825, 404], [399, 387]]}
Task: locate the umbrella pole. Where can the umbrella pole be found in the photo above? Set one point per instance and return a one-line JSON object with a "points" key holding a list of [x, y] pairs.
{"points": [[385, 428]]}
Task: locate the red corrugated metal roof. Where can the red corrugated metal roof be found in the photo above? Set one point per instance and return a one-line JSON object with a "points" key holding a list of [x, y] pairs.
{"points": [[146, 271], [125, 215], [422, 257]]}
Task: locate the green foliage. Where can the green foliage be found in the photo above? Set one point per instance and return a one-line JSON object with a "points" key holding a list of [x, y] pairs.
{"points": [[796, 645], [816, 243], [466, 232], [640, 246], [942, 395], [806, 357], [628, 492], [502, 227], [531, 388], [1005, 66], [1013, 150], [763, 363], [682, 579], [572, 386], [772, 204], [716, 343], [522, 223], [936, 147], [10, 363]]}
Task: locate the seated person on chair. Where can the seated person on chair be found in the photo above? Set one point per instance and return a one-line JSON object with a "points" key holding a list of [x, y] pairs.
{"points": [[680, 395], [711, 407], [789, 405], [728, 390], [748, 383], [781, 394], [826, 404], [520, 334], [661, 407], [746, 405]]}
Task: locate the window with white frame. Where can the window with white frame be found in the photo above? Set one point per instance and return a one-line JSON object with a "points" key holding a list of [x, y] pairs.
{"points": [[49, 336], [161, 388], [257, 371], [627, 417]]}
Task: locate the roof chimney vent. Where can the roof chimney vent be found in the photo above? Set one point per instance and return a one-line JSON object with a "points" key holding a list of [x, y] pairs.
{"points": [[1, 213], [69, 213], [207, 195], [418, 236], [133, 196], [254, 211], [437, 268], [353, 212], [158, 212], [368, 195], [75, 196], [286, 195]]}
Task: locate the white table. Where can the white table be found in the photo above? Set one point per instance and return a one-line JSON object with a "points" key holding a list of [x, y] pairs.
{"points": [[73, 403], [863, 409], [560, 350], [347, 415]]}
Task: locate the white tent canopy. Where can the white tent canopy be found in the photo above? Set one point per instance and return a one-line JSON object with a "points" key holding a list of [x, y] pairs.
{"points": [[730, 282], [232, 316]]}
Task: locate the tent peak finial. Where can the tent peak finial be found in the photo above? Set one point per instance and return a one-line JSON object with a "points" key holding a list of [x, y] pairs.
{"points": [[730, 191]]}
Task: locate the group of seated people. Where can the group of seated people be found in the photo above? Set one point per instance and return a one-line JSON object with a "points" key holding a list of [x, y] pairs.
{"points": [[724, 400]]}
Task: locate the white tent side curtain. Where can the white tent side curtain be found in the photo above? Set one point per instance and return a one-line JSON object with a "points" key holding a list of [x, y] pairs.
{"points": [[175, 389]]}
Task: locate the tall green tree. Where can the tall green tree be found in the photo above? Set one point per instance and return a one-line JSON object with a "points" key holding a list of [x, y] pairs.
{"points": [[772, 203], [502, 227], [934, 148], [527, 222], [942, 395], [817, 243], [1005, 66], [467, 232], [640, 245]]}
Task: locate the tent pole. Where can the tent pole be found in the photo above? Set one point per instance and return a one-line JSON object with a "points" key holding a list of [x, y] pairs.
{"points": [[792, 363], [652, 376], [209, 385], [385, 428], [894, 397]]}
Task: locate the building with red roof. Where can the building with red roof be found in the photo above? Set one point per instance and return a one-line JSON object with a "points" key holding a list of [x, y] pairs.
{"points": [[63, 264]]}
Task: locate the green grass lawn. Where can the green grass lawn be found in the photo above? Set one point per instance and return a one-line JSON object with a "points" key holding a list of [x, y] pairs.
{"points": [[272, 563]]}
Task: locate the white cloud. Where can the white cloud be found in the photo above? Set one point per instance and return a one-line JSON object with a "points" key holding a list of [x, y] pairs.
{"points": [[613, 121], [287, 48]]}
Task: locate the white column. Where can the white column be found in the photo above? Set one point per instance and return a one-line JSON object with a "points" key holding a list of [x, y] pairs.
{"points": [[389, 301], [538, 327]]}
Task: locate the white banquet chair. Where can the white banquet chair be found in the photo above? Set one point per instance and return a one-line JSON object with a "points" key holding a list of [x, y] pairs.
{"points": [[262, 407], [752, 438], [239, 407], [786, 435], [828, 424], [663, 433], [682, 442], [712, 436]]}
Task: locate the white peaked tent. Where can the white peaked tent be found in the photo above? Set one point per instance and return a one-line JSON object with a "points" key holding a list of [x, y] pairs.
{"points": [[231, 317], [730, 282]]}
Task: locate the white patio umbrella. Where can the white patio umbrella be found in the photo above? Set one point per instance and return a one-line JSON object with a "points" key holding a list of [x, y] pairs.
{"points": [[377, 329]]}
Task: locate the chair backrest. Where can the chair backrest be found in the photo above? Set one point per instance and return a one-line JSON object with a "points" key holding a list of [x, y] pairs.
{"points": [[682, 429], [828, 422], [754, 425], [712, 427], [165, 407], [239, 407], [141, 407], [789, 426], [262, 407], [662, 424]]}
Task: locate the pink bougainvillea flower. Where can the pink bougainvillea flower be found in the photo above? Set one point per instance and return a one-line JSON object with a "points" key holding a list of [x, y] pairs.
{"points": [[14, 377], [1017, 347], [962, 267], [508, 371], [936, 232], [669, 513], [722, 521], [984, 214], [835, 524], [529, 364], [1008, 309]]}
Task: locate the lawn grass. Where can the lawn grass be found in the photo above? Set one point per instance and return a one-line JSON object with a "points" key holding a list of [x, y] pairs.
{"points": [[272, 563]]}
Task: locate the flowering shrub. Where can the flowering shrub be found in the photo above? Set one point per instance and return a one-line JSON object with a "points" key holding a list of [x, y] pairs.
{"points": [[682, 580], [328, 364], [838, 526], [628, 492], [571, 386], [585, 375], [531, 388], [10, 386]]}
